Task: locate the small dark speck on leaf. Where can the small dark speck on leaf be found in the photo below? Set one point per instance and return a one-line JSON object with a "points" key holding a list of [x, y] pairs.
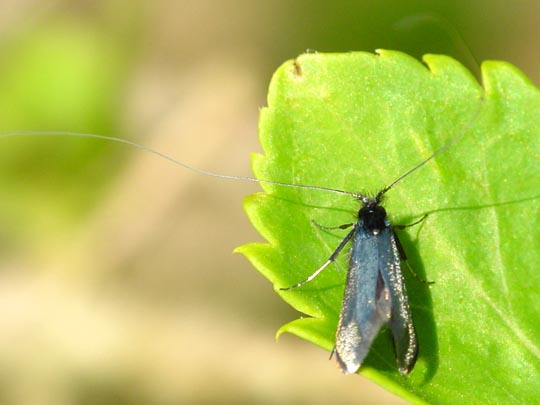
{"points": [[297, 68]]}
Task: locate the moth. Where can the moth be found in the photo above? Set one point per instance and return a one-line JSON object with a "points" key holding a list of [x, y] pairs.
{"points": [[375, 292]]}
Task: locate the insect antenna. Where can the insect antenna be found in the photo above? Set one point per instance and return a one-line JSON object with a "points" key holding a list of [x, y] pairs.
{"points": [[177, 162], [448, 144], [409, 23], [173, 160]]}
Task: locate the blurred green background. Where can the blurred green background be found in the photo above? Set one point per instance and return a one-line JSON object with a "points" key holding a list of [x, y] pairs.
{"points": [[118, 285]]}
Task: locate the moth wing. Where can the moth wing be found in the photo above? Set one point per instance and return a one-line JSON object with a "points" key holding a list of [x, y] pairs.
{"points": [[401, 323], [366, 302]]}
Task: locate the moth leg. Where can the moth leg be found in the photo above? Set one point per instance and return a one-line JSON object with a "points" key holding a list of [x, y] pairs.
{"points": [[332, 353], [403, 256], [331, 259], [416, 276], [409, 225], [331, 228]]}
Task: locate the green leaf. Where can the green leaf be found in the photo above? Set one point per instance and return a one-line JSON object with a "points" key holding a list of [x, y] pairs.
{"points": [[357, 122]]}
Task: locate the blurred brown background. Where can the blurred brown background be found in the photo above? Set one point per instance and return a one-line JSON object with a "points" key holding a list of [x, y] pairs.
{"points": [[117, 280]]}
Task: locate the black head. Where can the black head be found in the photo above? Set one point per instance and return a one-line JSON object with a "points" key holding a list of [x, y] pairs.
{"points": [[372, 215]]}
